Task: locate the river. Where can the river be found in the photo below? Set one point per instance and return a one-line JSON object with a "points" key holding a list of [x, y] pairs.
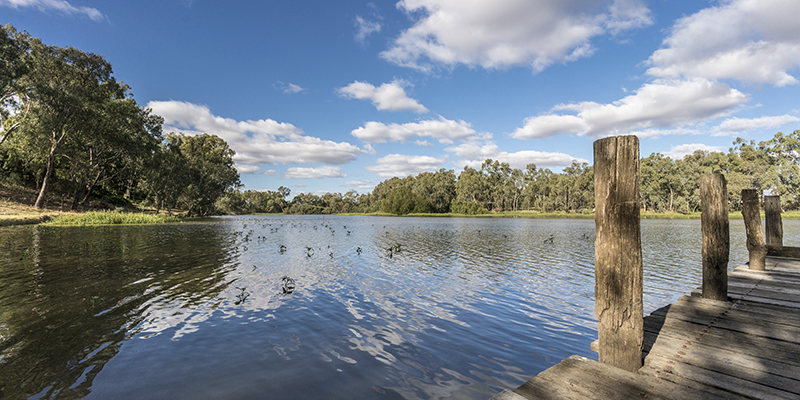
{"points": [[295, 307]]}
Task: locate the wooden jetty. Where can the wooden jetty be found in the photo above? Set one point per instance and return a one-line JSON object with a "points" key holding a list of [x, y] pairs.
{"points": [[745, 348], [737, 337]]}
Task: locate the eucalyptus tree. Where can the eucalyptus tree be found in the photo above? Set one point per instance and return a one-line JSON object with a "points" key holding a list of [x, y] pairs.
{"points": [[207, 172], [14, 65], [65, 88], [112, 148]]}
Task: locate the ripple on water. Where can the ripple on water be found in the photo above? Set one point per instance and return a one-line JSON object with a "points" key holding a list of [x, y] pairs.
{"points": [[382, 307]]}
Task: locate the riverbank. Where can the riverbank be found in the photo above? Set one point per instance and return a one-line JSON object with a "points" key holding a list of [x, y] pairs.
{"points": [[16, 208]]}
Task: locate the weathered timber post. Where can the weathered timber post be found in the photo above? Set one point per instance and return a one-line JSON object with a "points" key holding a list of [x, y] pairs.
{"points": [[716, 236], [772, 220], [618, 252], [752, 224]]}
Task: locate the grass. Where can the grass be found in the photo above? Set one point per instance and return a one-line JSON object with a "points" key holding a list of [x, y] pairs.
{"points": [[109, 218], [535, 214]]}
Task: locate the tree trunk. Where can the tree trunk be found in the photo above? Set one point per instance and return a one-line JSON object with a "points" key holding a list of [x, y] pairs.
{"points": [[51, 165], [618, 252]]}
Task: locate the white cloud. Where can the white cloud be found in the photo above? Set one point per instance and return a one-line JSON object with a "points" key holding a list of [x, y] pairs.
{"points": [[365, 28], [661, 104], [386, 97], [292, 88], [326, 171], [443, 130], [247, 169], [58, 5], [678, 152], [475, 154], [503, 33], [423, 143], [404, 165], [288, 88], [749, 124], [270, 172], [362, 184], [750, 40], [263, 141]]}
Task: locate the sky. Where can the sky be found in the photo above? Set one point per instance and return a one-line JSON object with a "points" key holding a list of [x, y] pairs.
{"points": [[331, 96]]}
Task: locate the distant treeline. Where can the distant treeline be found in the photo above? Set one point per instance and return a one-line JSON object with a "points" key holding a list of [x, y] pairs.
{"points": [[72, 131], [666, 186]]}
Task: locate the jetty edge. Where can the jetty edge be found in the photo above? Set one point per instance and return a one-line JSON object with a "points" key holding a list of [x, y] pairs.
{"points": [[736, 337]]}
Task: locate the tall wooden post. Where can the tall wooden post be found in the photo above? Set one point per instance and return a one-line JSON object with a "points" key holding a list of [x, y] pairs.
{"points": [[772, 220], [618, 252], [716, 236], [752, 224]]}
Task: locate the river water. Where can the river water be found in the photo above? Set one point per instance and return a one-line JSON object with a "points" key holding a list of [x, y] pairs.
{"points": [[335, 307]]}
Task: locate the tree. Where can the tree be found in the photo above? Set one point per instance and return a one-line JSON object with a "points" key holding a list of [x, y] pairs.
{"points": [[208, 172], [13, 66], [402, 200], [64, 88]]}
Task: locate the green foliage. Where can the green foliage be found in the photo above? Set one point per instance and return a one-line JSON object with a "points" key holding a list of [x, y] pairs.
{"points": [[77, 130], [466, 208], [110, 218], [402, 201]]}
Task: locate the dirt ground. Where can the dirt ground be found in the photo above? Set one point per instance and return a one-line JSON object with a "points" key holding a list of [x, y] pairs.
{"points": [[16, 207]]}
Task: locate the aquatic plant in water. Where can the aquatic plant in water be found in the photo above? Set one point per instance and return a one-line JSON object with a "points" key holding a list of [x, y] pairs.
{"points": [[241, 297], [287, 285]]}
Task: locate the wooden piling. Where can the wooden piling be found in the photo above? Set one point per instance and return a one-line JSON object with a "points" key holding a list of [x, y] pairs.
{"points": [[618, 252], [752, 223], [716, 236], [772, 221]]}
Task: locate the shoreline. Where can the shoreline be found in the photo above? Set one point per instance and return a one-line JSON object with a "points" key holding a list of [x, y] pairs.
{"points": [[15, 214]]}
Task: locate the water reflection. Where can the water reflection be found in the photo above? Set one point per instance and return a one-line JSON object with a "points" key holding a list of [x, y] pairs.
{"points": [[333, 307]]}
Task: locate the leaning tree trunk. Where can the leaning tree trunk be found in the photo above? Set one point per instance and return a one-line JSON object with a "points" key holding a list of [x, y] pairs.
{"points": [[51, 164]]}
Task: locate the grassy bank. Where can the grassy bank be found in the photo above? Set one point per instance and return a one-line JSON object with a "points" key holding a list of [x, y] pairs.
{"points": [[109, 218]]}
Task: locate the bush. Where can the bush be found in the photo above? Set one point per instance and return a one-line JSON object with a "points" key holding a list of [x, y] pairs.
{"points": [[402, 200], [466, 208]]}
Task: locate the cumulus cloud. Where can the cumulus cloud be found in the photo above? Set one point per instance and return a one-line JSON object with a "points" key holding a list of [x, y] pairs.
{"points": [[749, 40], [365, 28], [386, 97], [504, 33], [656, 105], [362, 184], [681, 151], [57, 5], [474, 153], [326, 171], [404, 165], [245, 169], [442, 130], [733, 125], [263, 141]]}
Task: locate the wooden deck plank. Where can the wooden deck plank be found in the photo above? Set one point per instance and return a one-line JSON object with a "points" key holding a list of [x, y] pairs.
{"points": [[746, 296], [732, 322], [775, 350], [599, 381], [537, 388], [731, 312], [731, 363], [702, 390], [757, 311], [647, 384], [716, 379]]}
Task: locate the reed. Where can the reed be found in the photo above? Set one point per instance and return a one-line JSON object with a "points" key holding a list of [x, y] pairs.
{"points": [[110, 218]]}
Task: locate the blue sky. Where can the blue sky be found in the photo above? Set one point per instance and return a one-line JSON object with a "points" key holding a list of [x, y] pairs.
{"points": [[329, 96]]}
